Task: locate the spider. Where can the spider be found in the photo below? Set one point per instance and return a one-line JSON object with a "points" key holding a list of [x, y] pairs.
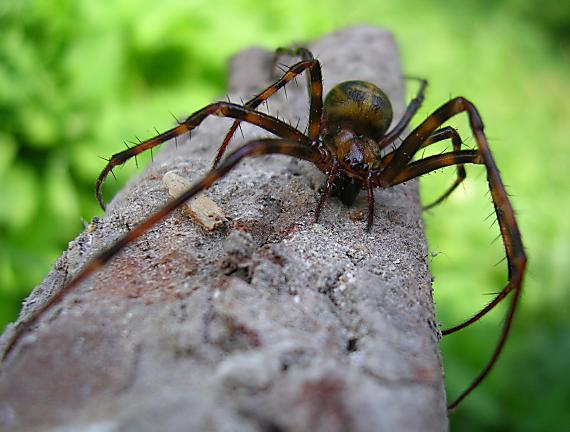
{"points": [[349, 140]]}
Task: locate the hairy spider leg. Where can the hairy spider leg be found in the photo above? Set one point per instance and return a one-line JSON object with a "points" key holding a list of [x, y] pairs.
{"points": [[305, 55], [315, 94], [220, 109], [292, 51], [370, 190], [314, 87], [331, 176], [300, 150], [411, 110], [439, 135], [505, 214], [432, 163], [516, 258]]}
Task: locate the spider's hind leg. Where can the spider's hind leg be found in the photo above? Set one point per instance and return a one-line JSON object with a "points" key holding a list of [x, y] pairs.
{"points": [[400, 169]]}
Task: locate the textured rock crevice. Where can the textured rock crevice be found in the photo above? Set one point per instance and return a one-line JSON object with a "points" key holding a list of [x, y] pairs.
{"points": [[272, 323]]}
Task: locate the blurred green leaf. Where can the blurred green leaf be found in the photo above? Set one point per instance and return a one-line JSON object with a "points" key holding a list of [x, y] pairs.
{"points": [[8, 149], [60, 192], [19, 197]]}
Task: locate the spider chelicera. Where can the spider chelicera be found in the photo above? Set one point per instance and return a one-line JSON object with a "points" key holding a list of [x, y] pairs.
{"points": [[349, 140]]}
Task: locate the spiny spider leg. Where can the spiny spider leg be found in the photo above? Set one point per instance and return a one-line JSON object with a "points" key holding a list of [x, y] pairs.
{"points": [[439, 135], [516, 258], [432, 163], [411, 109], [370, 193], [292, 51], [220, 109], [314, 87], [315, 94], [331, 175], [317, 155]]}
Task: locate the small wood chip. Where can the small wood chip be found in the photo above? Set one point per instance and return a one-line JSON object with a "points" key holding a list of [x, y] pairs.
{"points": [[356, 215], [201, 209]]}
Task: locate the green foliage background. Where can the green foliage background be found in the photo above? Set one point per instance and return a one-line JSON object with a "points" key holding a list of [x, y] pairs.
{"points": [[78, 77]]}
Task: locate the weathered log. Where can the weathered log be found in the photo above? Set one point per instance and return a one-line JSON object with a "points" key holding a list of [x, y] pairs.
{"points": [[273, 323]]}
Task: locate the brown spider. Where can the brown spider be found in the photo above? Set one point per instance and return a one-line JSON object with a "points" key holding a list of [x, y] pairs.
{"points": [[348, 140]]}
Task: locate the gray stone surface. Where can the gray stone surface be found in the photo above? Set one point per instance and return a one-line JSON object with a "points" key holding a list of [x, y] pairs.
{"points": [[272, 324]]}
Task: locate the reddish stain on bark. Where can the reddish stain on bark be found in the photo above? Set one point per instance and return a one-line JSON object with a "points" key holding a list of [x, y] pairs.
{"points": [[325, 402]]}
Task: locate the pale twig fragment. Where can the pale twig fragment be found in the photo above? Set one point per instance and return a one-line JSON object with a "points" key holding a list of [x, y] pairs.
{"points": [[201, 209]]}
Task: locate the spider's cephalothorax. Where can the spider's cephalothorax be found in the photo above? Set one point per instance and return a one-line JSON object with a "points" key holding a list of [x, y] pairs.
{"points": [[345, 139], [356, 115]]}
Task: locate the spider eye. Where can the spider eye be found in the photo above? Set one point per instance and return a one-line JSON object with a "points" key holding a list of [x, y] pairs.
{"points": [[355, 163]]}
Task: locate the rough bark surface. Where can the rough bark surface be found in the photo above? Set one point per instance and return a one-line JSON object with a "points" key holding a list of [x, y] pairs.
{"points": [[275, 323]]}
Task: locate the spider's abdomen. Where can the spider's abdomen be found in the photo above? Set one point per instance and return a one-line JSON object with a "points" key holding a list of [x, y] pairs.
{"points": [[359, 107]]}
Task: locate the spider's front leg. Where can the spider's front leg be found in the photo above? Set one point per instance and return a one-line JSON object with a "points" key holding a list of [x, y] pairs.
{"points": [[399, 169], [220, 109], [315, 85], [300, 150]]}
